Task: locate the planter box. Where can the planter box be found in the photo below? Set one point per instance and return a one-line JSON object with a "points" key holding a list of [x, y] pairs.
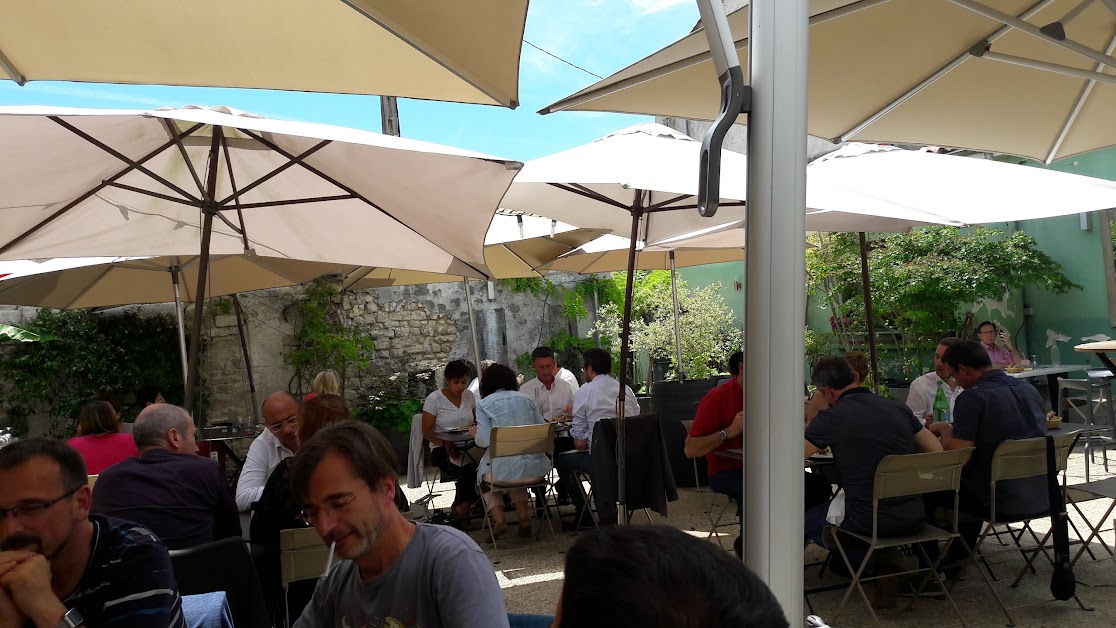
{"points": [[401, 445]]}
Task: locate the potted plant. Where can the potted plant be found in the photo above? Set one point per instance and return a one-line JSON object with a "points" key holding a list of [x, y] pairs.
{"points": [[389, 403]]}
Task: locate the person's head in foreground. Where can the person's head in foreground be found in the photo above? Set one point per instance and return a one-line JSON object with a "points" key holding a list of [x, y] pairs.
{"points": [[658, 576], [43, 487], [345, 478], [736, 360]]}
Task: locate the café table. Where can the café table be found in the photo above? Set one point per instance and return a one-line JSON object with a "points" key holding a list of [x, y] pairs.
{"points": [[221, 438], [1052, 373], [1101, 349], [459, 438]]}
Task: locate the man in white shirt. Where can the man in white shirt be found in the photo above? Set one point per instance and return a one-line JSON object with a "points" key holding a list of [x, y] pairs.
{"points": [[278, 441], [553, 396], [924, 389], [595, 400], [565, 375]]}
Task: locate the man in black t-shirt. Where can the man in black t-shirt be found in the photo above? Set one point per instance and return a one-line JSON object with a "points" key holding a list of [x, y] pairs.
{"points": [[861, 428], [61, 567]]}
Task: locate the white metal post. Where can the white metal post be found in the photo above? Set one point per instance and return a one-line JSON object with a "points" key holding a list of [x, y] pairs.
{"points": [[775, 302]]}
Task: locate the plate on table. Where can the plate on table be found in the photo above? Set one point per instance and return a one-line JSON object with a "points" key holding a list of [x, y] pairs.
{"points": [[459, 430]]}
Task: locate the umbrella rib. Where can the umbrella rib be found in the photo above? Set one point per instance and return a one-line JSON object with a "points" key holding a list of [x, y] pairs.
{"points": [[298, 201], [937, 74], [97, 188], [271, 175], [168, 125], [152, 193], [1077, 106], [669, 201], [243, 230], [347, 189], [1034, 31], [10, 69], [723, 204], [134, 164], [581, 190]]}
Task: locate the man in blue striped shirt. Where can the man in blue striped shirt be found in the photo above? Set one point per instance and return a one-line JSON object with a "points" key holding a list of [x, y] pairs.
{"points": [[60, 566]]}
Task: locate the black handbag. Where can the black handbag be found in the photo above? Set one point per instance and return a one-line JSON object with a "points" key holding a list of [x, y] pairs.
{"points": [[1063, 585]]}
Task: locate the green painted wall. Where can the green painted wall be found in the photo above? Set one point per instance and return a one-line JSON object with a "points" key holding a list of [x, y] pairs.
{"points": [[1081, 312]]}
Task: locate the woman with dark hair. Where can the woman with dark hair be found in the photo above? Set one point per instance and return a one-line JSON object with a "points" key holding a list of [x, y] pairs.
{"points": [[502, 405], [660, 577], [449, 408], [99, 439]]}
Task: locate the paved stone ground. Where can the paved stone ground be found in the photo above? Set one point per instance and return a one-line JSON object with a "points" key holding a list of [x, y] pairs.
{"points": [[530, 572]]}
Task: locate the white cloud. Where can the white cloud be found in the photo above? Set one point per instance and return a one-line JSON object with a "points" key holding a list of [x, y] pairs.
{"points": [[647, 7]]}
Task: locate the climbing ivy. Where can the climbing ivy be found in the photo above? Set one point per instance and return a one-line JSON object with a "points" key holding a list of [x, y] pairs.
{"points": [[322, 340]]}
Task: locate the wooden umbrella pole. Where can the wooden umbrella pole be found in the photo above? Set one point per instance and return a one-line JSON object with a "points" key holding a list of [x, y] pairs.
{"points": [[240, 325], [869, 318], [209, 208]]}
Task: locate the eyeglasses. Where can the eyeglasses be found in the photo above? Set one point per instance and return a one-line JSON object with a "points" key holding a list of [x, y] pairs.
{"points": [[32, 509], [309, 515], [278, 427], [987, 331]]}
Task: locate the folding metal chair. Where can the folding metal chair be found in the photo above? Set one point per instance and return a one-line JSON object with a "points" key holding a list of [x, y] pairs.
{"points": [[1015, 460], [905, 476], [1098, 489], [1095, 396], [302, 556], [517, 441]]}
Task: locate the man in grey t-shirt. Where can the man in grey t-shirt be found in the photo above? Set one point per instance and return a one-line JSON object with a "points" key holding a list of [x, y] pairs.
{"points": [[393, 572]]}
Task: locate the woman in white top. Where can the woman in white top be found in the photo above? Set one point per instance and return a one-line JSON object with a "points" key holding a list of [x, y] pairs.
{"points": [[502, 405], [452, 407]]}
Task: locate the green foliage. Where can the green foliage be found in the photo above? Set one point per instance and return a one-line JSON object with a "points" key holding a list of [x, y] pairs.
{"points": [[922, 281], [11, 332], [705, 321], [322, 340], [536, 286], [389, 403], [818, 345], [92, 354], [221, 305]]}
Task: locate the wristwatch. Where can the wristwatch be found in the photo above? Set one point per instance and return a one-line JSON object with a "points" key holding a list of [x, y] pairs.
{"points": [[72, 619], [723, 434]]}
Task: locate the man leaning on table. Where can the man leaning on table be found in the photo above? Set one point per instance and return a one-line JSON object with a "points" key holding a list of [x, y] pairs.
{"points": [[278, 441]]}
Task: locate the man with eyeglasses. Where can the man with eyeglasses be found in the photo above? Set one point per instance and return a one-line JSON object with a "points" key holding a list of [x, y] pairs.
{"points": [[278, 441], [61, 566], [393, 572], [1001, 357]]}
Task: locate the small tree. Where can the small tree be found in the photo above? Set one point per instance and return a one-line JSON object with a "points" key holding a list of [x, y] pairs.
{"points": [[923, 280], [322, 340]]}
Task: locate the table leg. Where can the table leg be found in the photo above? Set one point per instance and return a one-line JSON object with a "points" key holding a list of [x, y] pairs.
{"points": [[1106, 361], [238, 463], [1052, 386]]}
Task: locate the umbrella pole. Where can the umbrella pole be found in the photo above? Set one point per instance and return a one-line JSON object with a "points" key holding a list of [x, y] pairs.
{"points": [[247, 358], [181, 326], [472, 324], [625, 343], [209, 208], [677, 326], [869, 318]]}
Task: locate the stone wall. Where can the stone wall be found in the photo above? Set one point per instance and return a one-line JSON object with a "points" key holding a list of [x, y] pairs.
{"points": [[415, 328]]}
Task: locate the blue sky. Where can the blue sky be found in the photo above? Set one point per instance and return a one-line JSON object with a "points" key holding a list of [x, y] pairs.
{"points": [[602, 36]]}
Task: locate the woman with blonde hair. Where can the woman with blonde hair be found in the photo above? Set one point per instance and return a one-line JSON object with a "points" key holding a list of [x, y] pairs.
{"points": [[326, 382], [99, 439]]}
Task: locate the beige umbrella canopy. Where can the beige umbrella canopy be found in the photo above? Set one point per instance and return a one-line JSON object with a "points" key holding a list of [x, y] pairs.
{"points": [[610, 254], [1026, 77], [453, 51]]}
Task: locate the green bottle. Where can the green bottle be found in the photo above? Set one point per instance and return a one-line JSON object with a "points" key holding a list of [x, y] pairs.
{"points": [[941, 405]]}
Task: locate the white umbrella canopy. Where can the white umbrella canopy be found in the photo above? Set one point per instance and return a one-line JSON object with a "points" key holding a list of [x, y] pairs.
{"points": [[978, 74], [609, 253], [595, 185], [454, 51], [81, 182], [107, 282]]}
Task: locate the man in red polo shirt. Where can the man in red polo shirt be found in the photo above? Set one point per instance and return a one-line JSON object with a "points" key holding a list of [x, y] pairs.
{"points": [[718, 425]]}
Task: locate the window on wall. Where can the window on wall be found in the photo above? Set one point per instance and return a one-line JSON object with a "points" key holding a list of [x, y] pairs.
{"points": [[1108, 236]]}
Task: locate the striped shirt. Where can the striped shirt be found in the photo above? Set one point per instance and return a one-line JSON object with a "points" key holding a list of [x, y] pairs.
{"points": [[129, 580]]}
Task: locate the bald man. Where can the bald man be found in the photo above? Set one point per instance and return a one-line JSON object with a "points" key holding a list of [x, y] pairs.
{"points": [[182, 497], [278, 442]]}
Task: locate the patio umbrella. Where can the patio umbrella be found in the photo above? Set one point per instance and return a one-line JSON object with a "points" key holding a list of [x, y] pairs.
{"points": [[138, 183], [76, 283], [454, 51], [1024, 77]]}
